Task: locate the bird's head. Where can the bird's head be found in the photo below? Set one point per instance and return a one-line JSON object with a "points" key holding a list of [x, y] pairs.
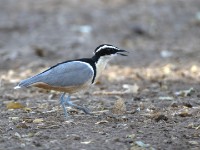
{"points": [[107, 51]]}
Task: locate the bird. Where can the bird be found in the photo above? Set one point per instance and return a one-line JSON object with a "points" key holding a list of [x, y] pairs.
{"points": [[73, 76]]}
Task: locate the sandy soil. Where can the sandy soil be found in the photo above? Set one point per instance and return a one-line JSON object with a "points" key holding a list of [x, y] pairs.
{"points": [[148, 100]]}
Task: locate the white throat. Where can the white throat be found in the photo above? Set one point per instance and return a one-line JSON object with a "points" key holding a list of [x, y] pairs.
{"points": [[101, 64]]}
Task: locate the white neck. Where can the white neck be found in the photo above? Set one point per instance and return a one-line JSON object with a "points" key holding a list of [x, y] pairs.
{"points": [[101, 64]]}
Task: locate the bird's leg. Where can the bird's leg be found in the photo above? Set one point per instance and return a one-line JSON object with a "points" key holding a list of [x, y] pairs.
{"points": [[62, 103], [69, 103]]}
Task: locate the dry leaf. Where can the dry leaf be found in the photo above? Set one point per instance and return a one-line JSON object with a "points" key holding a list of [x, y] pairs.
{"points": [[22, 125], [17, 135], [14, 105], [119, 107], [26, 109], [185, 113], [100, 112], [193, 126], [166, 98], [86, 142], [101, 122], [142, 144], [131, 88], [132, 136], [193, 142], [14, 118], [160, 117], [39, 120], [185, 93], [28, 120]]}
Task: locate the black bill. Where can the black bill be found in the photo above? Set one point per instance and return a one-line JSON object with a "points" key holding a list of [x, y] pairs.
{"points": [[121, 52]]}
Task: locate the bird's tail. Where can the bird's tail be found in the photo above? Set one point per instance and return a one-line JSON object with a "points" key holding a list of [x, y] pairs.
{"points": [[27, 82]]}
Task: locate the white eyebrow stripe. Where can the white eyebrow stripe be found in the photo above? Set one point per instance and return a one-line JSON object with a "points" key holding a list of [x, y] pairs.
{"points": [[106, 46]]}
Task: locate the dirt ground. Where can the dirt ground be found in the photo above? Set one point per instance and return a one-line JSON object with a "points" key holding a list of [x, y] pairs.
{"points": [[148, 100]]}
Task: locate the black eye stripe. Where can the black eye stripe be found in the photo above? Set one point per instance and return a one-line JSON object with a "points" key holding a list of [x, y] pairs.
{"points": [[106, 51]]}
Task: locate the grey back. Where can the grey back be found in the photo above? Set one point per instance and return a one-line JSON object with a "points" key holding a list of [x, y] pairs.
{"points": [[70, 73]]}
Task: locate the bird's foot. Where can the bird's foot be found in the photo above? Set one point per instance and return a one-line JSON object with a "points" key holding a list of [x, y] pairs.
{"points": [[67, 102], [62, 103], [85, 110]]}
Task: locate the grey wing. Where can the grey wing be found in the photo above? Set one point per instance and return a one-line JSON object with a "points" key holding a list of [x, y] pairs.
{"points": [[65, 74], [68, 74]]}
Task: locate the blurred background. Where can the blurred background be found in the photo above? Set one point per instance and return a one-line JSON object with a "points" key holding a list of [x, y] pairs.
{"points": [[48, 31]]}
